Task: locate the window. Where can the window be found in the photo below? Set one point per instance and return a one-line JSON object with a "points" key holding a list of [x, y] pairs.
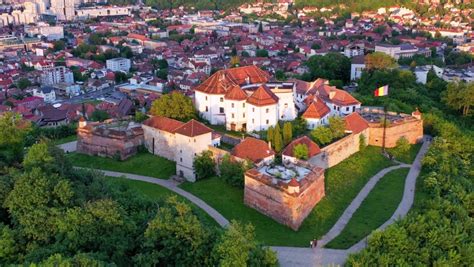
{"points": [[194, 140], [243, 105], [353, 109], [286, 105], [221, 110], [347, 108], [253, 120], [253, 109], [268, 121], [222, 99], [206, 97], [233, 115], [232, 105], [207, 109], [180, 159], [267, 110], [180, 151]]}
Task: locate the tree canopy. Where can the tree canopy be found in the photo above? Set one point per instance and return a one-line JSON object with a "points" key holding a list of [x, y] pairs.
{"points": [[174, 105], [332, 66]]}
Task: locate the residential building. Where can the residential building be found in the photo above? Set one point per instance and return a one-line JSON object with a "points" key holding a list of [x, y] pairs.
{"points": [[45, 92], [57, 75], [118, 64], [63, 9], [402, 50], [357, 67]]}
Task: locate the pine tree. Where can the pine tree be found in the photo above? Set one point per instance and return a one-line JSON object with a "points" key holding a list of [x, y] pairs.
{"points": [[287, 133], [270, 134], [277, 139]]}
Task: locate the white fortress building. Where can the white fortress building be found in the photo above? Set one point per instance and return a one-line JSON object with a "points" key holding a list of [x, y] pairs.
{"points": [[244, 99]]}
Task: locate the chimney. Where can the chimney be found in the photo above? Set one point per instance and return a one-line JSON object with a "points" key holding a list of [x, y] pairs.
{"points": [[247, 80], [332, 93], [269, 145], [416, 114]]}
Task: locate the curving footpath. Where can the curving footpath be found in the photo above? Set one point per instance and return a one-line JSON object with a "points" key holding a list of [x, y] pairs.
{"points": [[173, 186], [297, 256]]}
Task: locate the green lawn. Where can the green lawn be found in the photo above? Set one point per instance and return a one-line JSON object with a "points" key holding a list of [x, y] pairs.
{"points": [[375, 210], [64, 140], [343, 183], [143, 163], [410, 156], [157, 192]]}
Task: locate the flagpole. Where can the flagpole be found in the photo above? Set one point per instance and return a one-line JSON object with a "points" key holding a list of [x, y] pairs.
{"points": [[384, 127]]}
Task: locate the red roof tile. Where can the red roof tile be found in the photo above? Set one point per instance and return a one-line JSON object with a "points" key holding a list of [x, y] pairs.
{"points": [[235, 93], [316, 110], [313, 148], [163, 123], [193, 128], [221, 81], [262, 97], [355, 123], [253, 149]]}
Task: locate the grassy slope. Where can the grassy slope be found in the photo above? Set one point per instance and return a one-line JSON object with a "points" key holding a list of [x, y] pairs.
{"points": [[376, 209], [65, 140], [343, 183], [157, 192], [410, 156], [142, 164]]}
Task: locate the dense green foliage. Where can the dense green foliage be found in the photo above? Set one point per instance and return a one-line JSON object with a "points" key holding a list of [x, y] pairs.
{"points": [[300, 151], [324, 135], [232, 171], [12, 138], [197, 4], [54, 215], [204, 165], [175, 106], [332, 66]]}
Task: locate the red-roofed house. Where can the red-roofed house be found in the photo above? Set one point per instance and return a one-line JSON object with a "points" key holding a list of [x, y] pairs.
{"points": [[255, 150], [177, 141], [288, 152]]}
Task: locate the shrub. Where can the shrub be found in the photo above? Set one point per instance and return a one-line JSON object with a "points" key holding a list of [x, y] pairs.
{"points": [[232, 172], [322, 135], [300, 151], [204, 165], [362, 142], [402, 147]]}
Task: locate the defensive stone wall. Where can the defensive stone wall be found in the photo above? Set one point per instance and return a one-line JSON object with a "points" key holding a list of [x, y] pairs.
{"points": [[109, 139], [338, 151], [411, 128], [287, 203]]}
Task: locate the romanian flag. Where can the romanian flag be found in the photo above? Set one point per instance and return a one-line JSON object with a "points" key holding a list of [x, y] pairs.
{"points": [[381, 91]]}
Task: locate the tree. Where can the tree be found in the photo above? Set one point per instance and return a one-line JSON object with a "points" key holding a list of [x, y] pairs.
{"points": [[280, 75], [162, 74], [262, 53], [13, 131], [8, 244], [23, 83], [232, 171], [140, 116], [287, 133], [459, 96], [300, 151], [234, 61], [270, 134], [322, 135], [204, 165], [120, 77], [38, 157], [379, 60], [277, 139], [175, 237], [402, 147], [237, 247], [59, 45], [332, 66], [175, 106], [100, 115], [337, 125], [299, 126]]}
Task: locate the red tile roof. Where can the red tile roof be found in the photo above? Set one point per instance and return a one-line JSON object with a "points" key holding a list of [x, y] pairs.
{"points": [[355, 123], [337, 96], [253, 149], [235, 93], [193, 128], [316, 110], [313, 148], [221, 81], [163, 123], [262, 97]]}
